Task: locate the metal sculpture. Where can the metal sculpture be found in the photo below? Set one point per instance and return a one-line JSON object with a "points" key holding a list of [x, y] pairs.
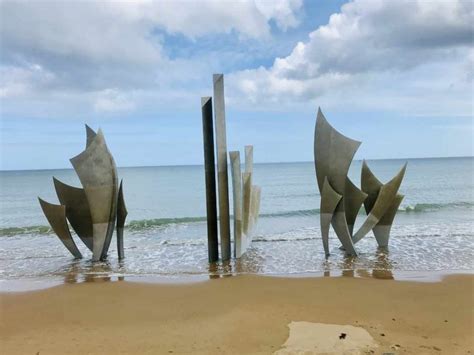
{"points": [[121, 216], [246, 198], [96, 170], [373, 187], [385, 198], [223, 184], [56, 216], [77, 210], [237, 200], [91, 210], [341, 200], [210, 174]]}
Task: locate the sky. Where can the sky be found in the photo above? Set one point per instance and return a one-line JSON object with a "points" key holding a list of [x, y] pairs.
{"points": [[396, 75]]}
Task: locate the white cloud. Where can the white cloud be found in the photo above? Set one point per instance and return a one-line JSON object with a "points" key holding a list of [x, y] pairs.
{"points": [[111, 100], [18, 81], [120, 32], [377, 53], [79, 30], [81, 48], [395, 55], [282, 11]]}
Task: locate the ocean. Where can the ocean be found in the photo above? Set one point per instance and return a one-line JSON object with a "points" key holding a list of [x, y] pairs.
{"points": [[165, 233]]}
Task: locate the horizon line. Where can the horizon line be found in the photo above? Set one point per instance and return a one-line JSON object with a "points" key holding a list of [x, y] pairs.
{"points": [[255, 163]]}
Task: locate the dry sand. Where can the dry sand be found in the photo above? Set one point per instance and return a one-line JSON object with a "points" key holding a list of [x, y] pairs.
{"points": [[239, 315]]}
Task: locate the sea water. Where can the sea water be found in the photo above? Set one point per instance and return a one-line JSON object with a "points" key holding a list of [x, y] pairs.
{"points": [[165, 233]]}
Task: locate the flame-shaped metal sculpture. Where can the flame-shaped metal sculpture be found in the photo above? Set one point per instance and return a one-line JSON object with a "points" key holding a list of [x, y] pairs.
{"points": [[341, 200], [373, 187], [246, 198], [91, 210], [386, 197]]}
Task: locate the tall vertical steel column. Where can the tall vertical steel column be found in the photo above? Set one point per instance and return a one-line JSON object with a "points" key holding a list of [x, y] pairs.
{"points": [[247, 188], [210, 172], [237, 198], [219, 112], [121, 216]]}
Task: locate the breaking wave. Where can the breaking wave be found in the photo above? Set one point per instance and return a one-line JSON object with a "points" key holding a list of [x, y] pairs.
{"points": [[430, 207], [144, 224]]}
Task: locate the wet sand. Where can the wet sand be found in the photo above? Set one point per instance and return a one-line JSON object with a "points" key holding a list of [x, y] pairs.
{"points": [[236, 315]]}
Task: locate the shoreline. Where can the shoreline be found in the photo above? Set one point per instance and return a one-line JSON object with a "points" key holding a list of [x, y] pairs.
{"points": [[35, 284], [241, 314]]}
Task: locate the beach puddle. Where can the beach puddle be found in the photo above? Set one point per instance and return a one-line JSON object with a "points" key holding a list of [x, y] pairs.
{"points": [[319, 338]]}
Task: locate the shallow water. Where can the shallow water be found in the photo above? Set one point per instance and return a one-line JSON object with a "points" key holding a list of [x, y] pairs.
{"points": [[166, 232]]}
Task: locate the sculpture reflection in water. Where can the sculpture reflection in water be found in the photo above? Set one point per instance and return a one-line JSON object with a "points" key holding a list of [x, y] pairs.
{"points": [[94, 209], [341, 200]]}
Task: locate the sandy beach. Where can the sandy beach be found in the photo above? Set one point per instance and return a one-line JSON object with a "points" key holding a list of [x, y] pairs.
{"points": [[237, 315]]}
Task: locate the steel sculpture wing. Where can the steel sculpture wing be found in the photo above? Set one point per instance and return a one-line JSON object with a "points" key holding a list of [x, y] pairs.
{"points": [[383, 228], [329, 201], [90, 134], [371, 185], [77, 210], [96, 169], [353, 199], [56, 216], [385, 200], [333, 154]]}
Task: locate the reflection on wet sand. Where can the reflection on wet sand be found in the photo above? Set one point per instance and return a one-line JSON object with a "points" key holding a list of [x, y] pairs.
{"points": [[91, 272], [213, 271], [252, 262], [381, 268], [348, 266], [71, 275], [382, 274], [378, 265], [383, 265], [249, 263]]}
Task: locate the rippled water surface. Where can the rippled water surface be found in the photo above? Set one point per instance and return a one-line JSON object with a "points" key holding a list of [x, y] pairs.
{"points": [[166, 232]]}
